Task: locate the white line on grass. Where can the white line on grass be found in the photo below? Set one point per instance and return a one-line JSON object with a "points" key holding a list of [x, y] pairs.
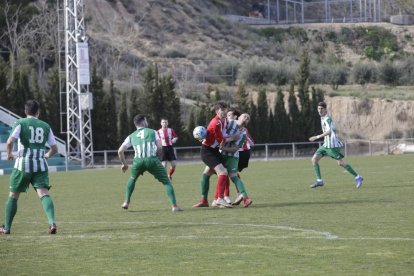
{"points": [[318, 234]]}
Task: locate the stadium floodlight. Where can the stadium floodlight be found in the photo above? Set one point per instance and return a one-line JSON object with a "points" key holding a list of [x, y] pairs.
{"points": [[76, 96]]}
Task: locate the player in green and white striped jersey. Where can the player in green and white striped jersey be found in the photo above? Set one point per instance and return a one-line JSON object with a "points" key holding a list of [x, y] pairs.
{"points": [[332, 147], [30, 166], [147, 145], [230, 152]]}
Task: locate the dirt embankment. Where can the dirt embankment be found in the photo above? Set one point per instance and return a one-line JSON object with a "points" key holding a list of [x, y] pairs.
{"points": [[374, 119]]}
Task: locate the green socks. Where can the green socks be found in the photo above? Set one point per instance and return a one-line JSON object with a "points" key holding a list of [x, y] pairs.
{"points": [[129, 189], [204, 185], [350, 170], [317, 170], [49, 208], [170, 193], [11, 209], [239, 184]]}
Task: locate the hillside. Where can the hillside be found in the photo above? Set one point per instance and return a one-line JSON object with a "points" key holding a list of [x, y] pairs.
{"points": [[176, 34], [198, 30]]}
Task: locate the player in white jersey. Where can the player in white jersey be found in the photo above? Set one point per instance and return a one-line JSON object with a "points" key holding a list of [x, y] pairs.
{"points": [[30, 166], [168, 139], [332, 147]]}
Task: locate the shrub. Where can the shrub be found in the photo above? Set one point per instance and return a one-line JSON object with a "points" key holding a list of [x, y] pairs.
{"points": [[174, 52], [388, 73], [364, 72], [402, 116], [272, 34], [337, 75], [363, 107], [406, 69], [259, 72], [224, 71], [395, 134], [333, 74]]}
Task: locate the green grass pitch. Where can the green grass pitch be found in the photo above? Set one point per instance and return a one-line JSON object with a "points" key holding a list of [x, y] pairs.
{"points": [[289, 230]]}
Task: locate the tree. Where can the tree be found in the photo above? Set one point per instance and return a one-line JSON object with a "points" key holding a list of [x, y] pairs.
{"points": [[294, 114], [98, 112], [5, 99], [188, 134], [16, 31], [262, 117], [272, 134], [123, 120], [252, 126], [242, 98], [149, 90], [134, 107], [281, 118], [42, 40], [51, 100], [315, 120], [172, 105]]}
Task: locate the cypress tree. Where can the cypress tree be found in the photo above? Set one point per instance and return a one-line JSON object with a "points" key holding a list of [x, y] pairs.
{"points": [[294, 115], [110, 121], [242, 98], [123, 122], [51, 99], [282, 121], [98, 113], [262, 116], [252, 126], [272, 134]]}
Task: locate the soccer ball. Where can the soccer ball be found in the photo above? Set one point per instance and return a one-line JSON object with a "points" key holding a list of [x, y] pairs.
{"points": [[200, 132]]}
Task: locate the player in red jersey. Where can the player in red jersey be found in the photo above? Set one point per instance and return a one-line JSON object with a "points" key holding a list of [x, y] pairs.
{"points": [[211, 156], [168, 138]]}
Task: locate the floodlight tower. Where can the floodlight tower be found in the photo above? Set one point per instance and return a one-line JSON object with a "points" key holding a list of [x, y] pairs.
{"points": [[77, 97]]}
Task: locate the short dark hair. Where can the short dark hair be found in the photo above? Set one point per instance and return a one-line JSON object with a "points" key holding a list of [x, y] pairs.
{"points": [[236, 113], [31, 107], [322, 104], [138, 119], [220, 105]]}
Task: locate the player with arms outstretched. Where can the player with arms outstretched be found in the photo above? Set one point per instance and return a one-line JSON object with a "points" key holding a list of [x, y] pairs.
{"points": [[146, 143]]}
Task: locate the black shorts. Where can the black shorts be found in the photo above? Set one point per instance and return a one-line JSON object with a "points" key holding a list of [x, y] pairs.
{"points": [[168, 153], [211, 156], [244, 157]]}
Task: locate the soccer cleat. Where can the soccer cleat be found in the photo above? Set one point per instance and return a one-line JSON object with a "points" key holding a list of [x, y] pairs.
{"points": [[227, 199], [202, 203], [214, 203], [238, 199], [317, 184], [4, 231], [222, 202], [125, 205], [52, 229], [247, 202], [358, 181], [176, 209]]}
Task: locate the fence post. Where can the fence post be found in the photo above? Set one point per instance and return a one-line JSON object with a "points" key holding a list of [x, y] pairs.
{"points": [[105, 159], [266, 152], [388, 148], [293, 151], [370, 147]]}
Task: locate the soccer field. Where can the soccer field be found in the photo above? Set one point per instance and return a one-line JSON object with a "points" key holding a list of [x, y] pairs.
{"points": [[289, 230]]}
